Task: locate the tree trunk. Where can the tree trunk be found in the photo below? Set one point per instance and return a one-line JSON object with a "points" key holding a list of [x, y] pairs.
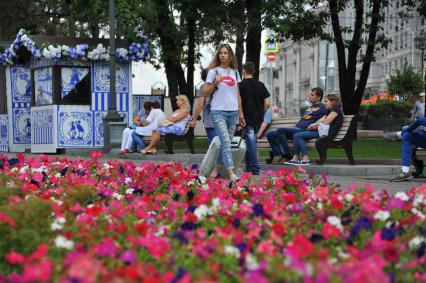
{"points": [[164, 23], [172, 82], [170, 51], [191, 58], [240, 24], [351, 91], [254, 32]]}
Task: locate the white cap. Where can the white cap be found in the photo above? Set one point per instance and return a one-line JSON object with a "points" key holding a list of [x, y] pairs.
{"points": [[422, 94]]}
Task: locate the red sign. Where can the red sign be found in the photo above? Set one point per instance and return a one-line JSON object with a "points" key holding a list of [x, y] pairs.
{"points": [[271, 57]]}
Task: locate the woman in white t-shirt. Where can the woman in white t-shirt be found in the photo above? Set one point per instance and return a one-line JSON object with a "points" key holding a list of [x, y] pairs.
{"points": [[226, 111], [149, 125]]}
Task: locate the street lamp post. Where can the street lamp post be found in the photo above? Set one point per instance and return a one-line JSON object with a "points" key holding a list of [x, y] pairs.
{"points": [[420, 43], [113, 125]]}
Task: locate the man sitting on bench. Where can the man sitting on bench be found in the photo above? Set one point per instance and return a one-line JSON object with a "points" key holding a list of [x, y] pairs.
{"points": [[413, 135], [278, 138]]}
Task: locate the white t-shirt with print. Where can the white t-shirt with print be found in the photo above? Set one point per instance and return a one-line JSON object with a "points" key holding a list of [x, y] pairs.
{"points": [[225, 97]]}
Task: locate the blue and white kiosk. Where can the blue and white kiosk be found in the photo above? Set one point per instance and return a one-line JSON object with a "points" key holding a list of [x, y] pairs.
{"points": [[57, 97]]}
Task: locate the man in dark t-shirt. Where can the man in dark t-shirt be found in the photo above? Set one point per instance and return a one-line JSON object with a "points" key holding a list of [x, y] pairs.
{"points": [[255, 102], [278, 138]]}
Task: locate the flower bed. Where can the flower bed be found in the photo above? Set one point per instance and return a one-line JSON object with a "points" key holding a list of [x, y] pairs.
{"points": [[88, 221]]}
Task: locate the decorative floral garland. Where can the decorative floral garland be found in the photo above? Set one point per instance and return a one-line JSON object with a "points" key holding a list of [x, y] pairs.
{"points": [[136, 51]]}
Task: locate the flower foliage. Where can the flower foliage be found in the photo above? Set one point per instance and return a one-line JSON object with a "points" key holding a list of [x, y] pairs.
{"points": [[139, 51], [95, 221]]}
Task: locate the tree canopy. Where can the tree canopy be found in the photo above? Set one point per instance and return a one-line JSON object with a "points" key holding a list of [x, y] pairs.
{"points": [[356, 43], [406, 83]]}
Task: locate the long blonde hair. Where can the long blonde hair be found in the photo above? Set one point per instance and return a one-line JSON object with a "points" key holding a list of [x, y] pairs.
{"points": [[216, 60], [185, 100]]}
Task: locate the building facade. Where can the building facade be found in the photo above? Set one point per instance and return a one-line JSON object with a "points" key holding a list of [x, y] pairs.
{"points": [[303, 65]]}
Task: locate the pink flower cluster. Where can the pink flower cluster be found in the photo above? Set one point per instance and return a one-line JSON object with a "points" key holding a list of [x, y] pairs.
{"points": [[117, 221]]}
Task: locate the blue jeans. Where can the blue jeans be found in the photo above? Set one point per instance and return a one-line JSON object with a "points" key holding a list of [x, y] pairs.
{"points": [[138, 139], [408, 140], [250, 135], [278, 139], [211, 133], [225, 123], [299, 141]]}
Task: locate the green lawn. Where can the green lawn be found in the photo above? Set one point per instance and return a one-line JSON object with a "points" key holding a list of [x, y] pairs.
{"points": [[364, 148]]}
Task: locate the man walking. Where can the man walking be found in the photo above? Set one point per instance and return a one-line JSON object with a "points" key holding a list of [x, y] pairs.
{"points": [[419, 108], [278, 138], [255, 102]]}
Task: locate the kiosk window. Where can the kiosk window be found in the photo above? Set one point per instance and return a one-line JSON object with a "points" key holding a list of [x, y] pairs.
{"points": [[43, 82], [75, 85]]}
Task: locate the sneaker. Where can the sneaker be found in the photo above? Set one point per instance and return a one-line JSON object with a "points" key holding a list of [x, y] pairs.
{"points": [[305, 163], [402, 177], [292, 162], [233, 180]]}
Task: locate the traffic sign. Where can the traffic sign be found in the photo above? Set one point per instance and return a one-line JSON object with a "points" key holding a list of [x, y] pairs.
{"points": [[271, 44], [271, 57]]}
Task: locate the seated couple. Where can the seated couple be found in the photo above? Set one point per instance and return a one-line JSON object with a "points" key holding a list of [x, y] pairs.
{"points": [[157, 125], [316, 117]]}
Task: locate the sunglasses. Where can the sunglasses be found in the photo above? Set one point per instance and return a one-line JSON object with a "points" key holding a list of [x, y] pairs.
{"points": [[224, 45]]}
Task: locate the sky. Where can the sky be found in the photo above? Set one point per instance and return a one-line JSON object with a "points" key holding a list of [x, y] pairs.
{"points": [[145, 75]]}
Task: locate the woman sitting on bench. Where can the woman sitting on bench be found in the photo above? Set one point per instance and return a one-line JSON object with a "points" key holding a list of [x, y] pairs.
{"points": [[177, 123], [326, 128], [149, 125]]}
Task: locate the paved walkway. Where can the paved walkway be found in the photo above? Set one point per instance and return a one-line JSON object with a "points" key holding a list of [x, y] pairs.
{"points": [[377, 175]]}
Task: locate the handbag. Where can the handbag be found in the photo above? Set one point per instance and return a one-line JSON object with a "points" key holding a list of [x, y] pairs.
{"points": [[323, 129], [164, 123]]}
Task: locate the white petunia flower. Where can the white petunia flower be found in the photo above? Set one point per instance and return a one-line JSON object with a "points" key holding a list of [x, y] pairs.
{"points": [[62, 242], [117, 196], [419, 200], [335, 221], [23, 169], [251, 262], [349, 197], [202, 211], [129, 191], [231, 250], [56, 227], [418, 213], [402, 196], [382, 215], [127, 180], [415, 242]]}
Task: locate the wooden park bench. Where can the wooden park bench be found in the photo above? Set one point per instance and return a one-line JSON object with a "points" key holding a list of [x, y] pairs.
{"points": [[188, 136], [419, 159], [343, 139]]}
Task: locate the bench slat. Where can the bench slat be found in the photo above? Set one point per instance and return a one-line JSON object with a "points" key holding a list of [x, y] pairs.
{"points": [[291, 122]]}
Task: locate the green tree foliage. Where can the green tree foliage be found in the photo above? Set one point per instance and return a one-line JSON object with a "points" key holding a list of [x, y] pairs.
{"points": [[38, 16], [405, 82], [309, 19]]}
